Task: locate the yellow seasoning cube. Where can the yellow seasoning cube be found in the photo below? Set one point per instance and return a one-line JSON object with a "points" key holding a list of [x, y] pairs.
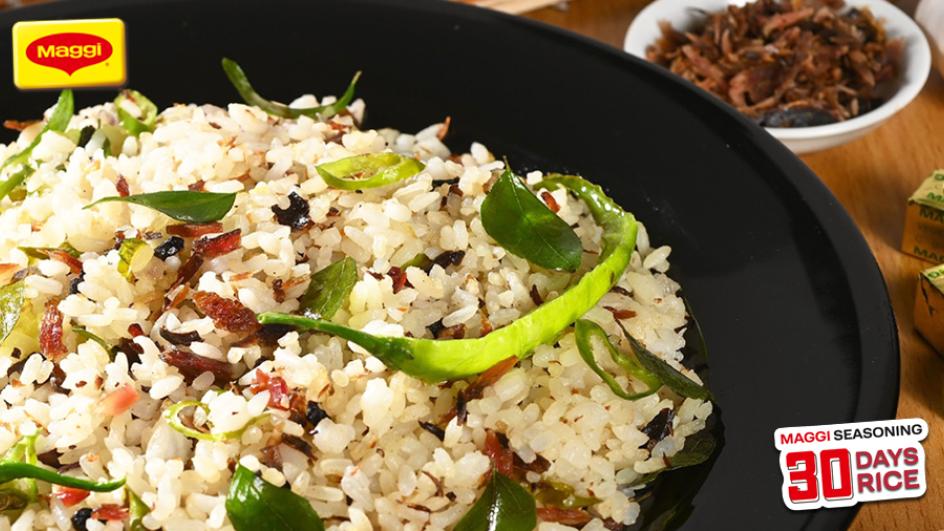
{"points": [[924, 220], [929, 306]]}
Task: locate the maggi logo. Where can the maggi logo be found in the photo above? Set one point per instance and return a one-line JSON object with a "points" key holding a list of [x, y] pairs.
{"points": [[69, 52]]}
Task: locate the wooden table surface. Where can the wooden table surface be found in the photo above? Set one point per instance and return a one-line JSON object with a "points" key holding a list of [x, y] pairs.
{"points": [[872, 177]]}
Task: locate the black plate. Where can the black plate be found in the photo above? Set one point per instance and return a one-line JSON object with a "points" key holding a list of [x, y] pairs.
{"points": [[796, 316]]}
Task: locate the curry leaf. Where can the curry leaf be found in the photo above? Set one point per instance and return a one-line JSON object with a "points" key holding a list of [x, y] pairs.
{"points": [[182, 205], [584, 333], [23, 452], [15, 180], [253, 504], [135, 125], [667, 374], [11, 306], [698, 448], [241, 82], [368, 171], [329, 288], [526, 227], [504, 506]]}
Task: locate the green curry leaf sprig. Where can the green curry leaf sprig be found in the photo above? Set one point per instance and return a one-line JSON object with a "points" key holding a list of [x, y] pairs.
{"points": [[504, 506], [181, 205], [329, 288], [526, 227], [253, 504]]}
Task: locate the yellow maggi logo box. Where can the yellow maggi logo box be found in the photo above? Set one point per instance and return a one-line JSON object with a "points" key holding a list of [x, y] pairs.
{"points": [[69, 53]]}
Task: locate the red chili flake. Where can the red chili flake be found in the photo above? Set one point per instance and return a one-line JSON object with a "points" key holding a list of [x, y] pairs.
{"points": [[399, 278], [61, 256], [188, 270], [620, 313], [218, 245], [199, 185], [477, 387], [489, 377], [444, 130], [501, 456], [451, 332], [69, 496], [135, 330], [194, 230], [120, 400], [18, 125], [455, 190], [571, 517], [276, 387], [191, 365], [50, 332], [122, 186], [550, 201], [110, 512], [228, 314], [486, 324]]}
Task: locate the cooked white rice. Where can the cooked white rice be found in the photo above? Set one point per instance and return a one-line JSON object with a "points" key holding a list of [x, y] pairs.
{"points": [[374, 465]]}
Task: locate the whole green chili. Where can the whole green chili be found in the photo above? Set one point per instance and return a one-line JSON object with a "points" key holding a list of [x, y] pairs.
{"points": [[368, 171], [436, 360]]}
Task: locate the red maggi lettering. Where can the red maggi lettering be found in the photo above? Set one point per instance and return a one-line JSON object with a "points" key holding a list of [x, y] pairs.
{"points": [[69, 51]]}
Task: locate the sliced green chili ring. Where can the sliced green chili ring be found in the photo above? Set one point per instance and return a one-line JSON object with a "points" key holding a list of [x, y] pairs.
{"points": [[241, 82], [436, 360], [584, 333], [15, 180], [133, 124], [133, 256], [368, 171], [137, 510], [171, 416], [23, 452], [11, 307]]}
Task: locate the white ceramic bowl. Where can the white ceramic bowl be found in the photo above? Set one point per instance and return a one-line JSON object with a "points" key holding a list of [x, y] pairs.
{"points": [[684, 14]]}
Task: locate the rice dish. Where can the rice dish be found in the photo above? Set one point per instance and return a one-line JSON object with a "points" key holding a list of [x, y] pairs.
{"points": [[380, 449]]}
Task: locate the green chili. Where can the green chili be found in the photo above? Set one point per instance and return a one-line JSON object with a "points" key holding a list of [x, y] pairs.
{"points": [[171, 416], [11, 307], [58, 121], [584, 332], [241, 82], [435, 360], [133, 255], [137, 510], [135, 125], [19, 465], [368, 171]]}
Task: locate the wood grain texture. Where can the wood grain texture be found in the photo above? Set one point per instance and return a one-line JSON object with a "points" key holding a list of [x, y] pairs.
{"points": [[872, 178]]}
